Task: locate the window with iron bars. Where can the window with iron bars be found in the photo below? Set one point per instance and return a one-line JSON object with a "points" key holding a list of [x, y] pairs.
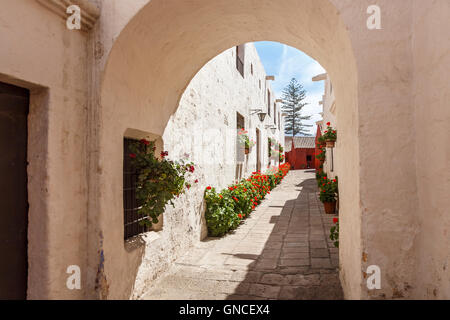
{"points": [[131, 217]]}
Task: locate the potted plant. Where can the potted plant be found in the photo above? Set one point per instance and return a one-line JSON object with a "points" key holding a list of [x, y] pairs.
{"points": [[330, 136], [245, 141], [328, 194]]}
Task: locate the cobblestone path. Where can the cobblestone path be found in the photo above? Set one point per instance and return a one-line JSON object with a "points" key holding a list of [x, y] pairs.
{"points": [[282, 251]]}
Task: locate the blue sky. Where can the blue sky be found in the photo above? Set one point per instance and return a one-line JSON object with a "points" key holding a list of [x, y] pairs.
{"points": [[285, 62]]}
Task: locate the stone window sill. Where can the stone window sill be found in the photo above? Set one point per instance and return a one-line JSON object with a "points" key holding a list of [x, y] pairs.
{"points": [[141, 240]]}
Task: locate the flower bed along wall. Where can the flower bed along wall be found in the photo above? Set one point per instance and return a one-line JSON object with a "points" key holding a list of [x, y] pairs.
{"points": [[225, 210]]}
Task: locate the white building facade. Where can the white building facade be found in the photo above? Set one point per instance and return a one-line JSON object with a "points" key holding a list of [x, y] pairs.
{"points": [[328, 115]]}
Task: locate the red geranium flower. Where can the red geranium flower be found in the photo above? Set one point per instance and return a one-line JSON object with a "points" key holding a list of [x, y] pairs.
{"points": [[191, 168], [143, 141], [208, 188], [164, 154], [335, 220], [240, 216], [328, 123], [196, 181], [132, 155]]}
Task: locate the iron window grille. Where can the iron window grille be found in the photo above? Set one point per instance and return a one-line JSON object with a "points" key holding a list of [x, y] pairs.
{"points": [[131, 205]]}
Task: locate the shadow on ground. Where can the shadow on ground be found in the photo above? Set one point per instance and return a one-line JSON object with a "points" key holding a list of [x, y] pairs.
{"points": [[297, 261]]}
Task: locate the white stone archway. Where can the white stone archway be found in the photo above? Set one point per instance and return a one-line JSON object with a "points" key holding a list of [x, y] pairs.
{"points": [[168, 41]]}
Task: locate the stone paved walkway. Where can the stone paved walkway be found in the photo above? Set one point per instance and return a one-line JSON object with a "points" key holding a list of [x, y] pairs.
{"points": [[282, 251]]}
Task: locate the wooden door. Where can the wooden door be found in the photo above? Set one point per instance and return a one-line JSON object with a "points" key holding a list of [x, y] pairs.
{"points": [[14, 103]]}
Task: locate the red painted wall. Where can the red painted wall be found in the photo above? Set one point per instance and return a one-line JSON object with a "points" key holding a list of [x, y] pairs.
{"points": [[299, 160]]}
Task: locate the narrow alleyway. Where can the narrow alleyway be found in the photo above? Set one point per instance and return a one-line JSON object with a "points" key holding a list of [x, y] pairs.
{"points": [[282, 251]]}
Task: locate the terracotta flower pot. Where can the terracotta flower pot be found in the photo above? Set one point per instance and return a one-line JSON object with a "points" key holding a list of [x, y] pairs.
{"points": [[247, 150], [330, 207], [330, 143]]}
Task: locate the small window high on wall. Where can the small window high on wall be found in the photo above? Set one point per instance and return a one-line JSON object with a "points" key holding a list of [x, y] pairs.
{"points": [[240, 58]]}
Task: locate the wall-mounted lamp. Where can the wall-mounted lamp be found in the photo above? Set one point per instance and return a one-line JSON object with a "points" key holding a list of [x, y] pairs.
{"points": [[272, 128], [261, 115]]}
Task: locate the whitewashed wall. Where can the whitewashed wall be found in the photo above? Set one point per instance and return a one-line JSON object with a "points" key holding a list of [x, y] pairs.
{"points": [[329, 115]]}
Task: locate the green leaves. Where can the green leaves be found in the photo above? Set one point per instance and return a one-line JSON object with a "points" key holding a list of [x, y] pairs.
{"points": [[225, 210], [334, 234], [328, 189], [293, 97], [330, 134], [158, 182], [220, 215]]}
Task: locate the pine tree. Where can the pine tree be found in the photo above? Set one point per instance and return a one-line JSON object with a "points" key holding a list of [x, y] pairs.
{"points": [[293, 96]]}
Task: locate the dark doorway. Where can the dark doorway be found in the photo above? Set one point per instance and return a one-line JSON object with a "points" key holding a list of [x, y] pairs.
{"points": [[308, 161], [14, 103], [258, 152]]}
